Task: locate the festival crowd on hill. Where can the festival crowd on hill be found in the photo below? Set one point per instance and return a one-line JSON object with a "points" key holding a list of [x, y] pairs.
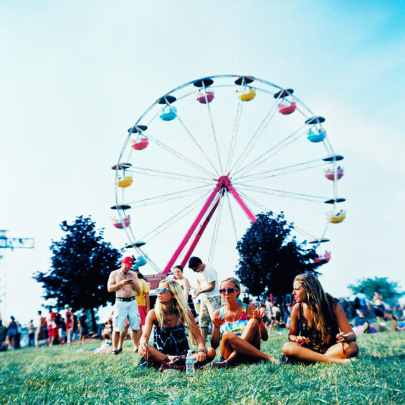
{"points": [[132, 291]]}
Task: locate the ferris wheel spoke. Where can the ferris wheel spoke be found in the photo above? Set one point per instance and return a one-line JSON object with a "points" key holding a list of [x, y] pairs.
{"points": [[232, 217], [180, 156], [174, 219], [281, 171], [212, 127], [273, 151], [249, 146], [266, 209], [169, 175], [168, 197], [282, 193], [215, 233], [195, 141], [234, 135]]}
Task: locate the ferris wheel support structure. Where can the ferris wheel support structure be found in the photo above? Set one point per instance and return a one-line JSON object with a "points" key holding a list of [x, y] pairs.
{"points": [[223, 185]]}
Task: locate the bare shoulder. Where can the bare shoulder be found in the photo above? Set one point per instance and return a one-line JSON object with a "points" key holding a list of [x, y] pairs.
{"points": [[296, 310], [113, 274], [250, 308]]}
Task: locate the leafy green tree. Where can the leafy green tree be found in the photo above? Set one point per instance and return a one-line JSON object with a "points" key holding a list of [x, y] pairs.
{"points": [[81, 264], [388, 289], [270, 258]]}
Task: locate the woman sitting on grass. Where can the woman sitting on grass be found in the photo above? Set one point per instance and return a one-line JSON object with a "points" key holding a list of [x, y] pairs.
{"points": [[315, 322], [239, 327], [171, 318]]}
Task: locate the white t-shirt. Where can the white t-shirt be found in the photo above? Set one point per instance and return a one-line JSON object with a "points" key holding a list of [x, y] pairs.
{"points": [[275, 310], [205, 278]]}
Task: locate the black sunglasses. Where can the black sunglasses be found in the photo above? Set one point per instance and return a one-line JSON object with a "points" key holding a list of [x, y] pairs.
{"points": [[228, 290]]}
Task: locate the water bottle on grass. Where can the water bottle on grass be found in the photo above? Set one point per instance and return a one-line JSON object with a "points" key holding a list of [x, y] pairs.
{"points": [[190, 363]]}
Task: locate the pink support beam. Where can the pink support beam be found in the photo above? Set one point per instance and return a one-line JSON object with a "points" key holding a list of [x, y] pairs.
{"points": [[241, 202], [222, 183], [199, 234], [192, 228]]}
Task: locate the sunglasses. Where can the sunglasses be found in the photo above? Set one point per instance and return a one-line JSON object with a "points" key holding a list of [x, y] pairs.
{"points": [[162, 290], [228, 290]]}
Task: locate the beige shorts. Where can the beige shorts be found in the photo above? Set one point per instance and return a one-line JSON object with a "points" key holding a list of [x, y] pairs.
{"points": [[207, 308]]}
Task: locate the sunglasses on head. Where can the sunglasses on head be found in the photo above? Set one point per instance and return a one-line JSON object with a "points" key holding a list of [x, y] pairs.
{"points": [[162, 290], [228, 290]]}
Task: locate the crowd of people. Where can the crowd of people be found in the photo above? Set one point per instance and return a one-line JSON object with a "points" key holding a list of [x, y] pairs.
{"points": [[318, 326]]}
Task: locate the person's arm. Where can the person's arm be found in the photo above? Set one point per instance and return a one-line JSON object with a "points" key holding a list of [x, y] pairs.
{"points": [[201, 354], [252, 312], [112, 285], [294, 327], [209, 288], [344, 326], [147, 300], [135, 283], [216, 334], [186, 288], [147, 329], [198, 289]]}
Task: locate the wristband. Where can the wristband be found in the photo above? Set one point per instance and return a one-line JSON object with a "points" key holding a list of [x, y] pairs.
{"points": [[203, 351]]}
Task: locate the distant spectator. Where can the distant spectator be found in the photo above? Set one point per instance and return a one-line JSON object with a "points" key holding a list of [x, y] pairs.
{"points": [[69, 324], [378, 307], [108, 328], [17, 336], [11, 333], [31, 333], [360, 300], [75, 328], [42, 331], [83, 331]]}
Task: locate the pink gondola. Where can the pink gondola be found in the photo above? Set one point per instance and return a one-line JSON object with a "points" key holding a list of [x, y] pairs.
{"points": [[323, 259], [121, 225], [286, 108], [201, 96], [330, 174], [141, 144]]}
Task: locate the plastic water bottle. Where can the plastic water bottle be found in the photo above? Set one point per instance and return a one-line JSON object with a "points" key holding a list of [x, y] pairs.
{"points": [[190, 363]]}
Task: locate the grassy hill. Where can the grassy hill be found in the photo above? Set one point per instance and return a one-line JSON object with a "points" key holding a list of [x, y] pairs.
{"points": [[59, 375]]}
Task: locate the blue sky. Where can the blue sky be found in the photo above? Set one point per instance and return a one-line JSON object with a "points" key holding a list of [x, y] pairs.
{"points": [[76, 76]]}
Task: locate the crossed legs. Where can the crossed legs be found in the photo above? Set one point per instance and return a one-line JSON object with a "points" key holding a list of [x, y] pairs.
{"points": [[334, 354], [248, 344]]}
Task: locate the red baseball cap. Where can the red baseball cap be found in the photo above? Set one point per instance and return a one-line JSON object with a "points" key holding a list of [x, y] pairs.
{"points": [[128, 261]]}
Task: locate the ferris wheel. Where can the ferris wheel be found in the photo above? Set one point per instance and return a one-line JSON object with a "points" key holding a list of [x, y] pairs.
{"points": [[206, 157]]}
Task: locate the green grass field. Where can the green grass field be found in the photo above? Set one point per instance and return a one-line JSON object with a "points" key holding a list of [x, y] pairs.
{"points": [[59, 375]]}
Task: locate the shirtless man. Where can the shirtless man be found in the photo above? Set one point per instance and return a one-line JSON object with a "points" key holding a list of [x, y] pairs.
{"points": [[124, 282]]}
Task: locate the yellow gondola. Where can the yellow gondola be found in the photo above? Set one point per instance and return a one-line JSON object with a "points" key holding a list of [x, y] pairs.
{"points": [[335, 219], [247, 94], [125, 181]]}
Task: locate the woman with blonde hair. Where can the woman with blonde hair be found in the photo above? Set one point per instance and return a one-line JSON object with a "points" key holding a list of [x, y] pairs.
{"points": [[238, 327], [316, 319], [171, 317]]}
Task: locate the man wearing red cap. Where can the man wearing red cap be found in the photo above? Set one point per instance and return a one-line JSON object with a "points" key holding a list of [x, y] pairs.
{"points": [[124, 282]]}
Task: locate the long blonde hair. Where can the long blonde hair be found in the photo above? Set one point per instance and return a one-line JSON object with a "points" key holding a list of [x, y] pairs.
{"points": [[180, 307], [320, 304]]}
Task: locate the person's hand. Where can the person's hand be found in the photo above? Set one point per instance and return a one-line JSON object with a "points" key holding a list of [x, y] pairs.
{"points": [[122, 283], [302, 340], [196, 294], [255, 315], [217, 321], [143, 350], [341, 337], [200, 356]]}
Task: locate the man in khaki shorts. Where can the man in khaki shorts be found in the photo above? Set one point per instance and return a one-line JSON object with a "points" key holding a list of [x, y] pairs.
{"points": [[124, 282], [208, 291]]}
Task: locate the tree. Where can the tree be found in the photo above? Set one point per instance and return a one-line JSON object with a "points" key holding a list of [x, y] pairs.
{"points": [[388, 289], [270, 258], [81, 263]]}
